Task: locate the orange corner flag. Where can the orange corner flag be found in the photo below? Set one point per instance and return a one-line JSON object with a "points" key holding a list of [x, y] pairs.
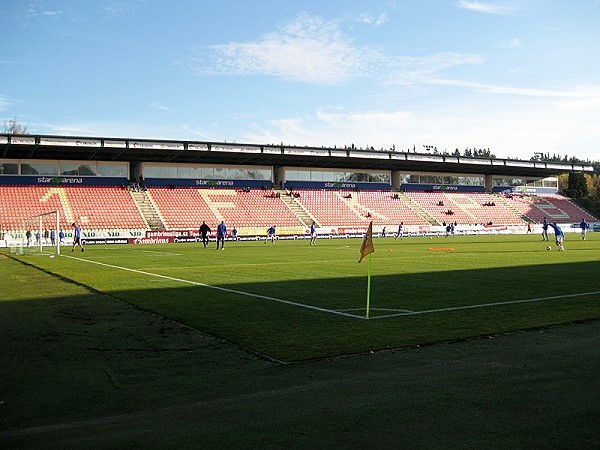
{"points": [[367, 243]]}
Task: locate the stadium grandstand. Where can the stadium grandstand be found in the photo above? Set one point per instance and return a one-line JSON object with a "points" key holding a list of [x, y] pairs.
{"points": [[130, 190]]}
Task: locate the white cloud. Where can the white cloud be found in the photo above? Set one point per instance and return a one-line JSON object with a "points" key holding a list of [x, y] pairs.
{"points": [[4, 104], [336, 128], [576, 93], [308, 49], [419, 69], [370, 20], [518, 70], [116, 8], [561, 124], [500, 8], [312, 50], [51, 13], [512, 43], [158, 105], [123, 129]]}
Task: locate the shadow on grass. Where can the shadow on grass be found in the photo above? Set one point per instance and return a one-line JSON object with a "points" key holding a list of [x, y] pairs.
{"points": [[81, 369], [306, 319]]}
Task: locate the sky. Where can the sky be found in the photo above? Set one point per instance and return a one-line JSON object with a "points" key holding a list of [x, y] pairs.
{"points": [[516, 77]]}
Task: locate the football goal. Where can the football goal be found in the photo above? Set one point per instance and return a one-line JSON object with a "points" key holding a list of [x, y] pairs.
{"points": [[41, 234]]}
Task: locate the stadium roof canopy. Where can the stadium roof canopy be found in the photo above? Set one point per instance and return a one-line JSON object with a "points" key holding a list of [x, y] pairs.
{"points": [[42, 147]]}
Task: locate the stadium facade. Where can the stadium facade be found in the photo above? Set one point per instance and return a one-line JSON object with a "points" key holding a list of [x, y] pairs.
{"points": [[82, 161], [116, 159]]}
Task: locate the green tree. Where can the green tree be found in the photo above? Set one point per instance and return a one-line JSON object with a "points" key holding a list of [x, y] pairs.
{"points": [[578, 187]]}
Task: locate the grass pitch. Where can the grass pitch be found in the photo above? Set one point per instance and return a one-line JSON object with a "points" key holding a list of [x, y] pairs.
{"points": [[290, 301], [92, 359]]}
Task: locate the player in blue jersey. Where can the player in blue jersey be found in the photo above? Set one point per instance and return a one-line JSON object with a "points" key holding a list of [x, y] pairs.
{"points": [[559, 236], [271, 235], [545, 230], [313, 234], [76, 237], [399, 232], [584, 227], [221, 232]]}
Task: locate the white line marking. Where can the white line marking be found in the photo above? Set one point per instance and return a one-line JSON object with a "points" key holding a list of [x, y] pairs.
{"points": [[379, 309], [333, 311], [233, 291], [158, 253], [487, 305]]}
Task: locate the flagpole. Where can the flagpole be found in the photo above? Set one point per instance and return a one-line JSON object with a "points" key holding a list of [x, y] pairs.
{"points": [[368, 285], [365, 250]]}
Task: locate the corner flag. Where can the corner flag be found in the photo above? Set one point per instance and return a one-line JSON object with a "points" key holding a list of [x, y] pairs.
{"points": [[367, 244], [366, 249]]}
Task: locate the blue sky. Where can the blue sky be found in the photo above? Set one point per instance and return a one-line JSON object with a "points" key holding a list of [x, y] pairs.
{"points": [[515, 76]]}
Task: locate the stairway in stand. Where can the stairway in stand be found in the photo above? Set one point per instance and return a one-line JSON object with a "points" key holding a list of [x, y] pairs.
{"points": [[296, 208], [512, 209], [422, 212], [148, 210]]}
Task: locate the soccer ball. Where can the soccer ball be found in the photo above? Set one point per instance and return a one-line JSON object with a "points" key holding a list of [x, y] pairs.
{"points": [[548, 248]]}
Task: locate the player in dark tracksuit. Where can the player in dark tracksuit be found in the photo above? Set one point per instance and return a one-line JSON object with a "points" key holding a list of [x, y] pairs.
{"points": [[204, 230]]}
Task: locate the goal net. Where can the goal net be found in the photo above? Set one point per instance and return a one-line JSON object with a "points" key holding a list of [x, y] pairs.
{"points": [[41, 234]]}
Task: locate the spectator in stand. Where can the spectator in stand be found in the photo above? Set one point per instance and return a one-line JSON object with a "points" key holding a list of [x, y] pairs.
{"points": [[584, 227], [204, 231], [221, 232]]}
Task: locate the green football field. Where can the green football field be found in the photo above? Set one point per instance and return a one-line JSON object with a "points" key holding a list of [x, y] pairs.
{"points": [[290, 301], [114, 347]]}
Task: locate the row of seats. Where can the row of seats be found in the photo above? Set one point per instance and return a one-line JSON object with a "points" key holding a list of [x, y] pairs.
{"points": [[465, 208], [114, 207], [553, 207], [92, 207], [186, 208]]}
